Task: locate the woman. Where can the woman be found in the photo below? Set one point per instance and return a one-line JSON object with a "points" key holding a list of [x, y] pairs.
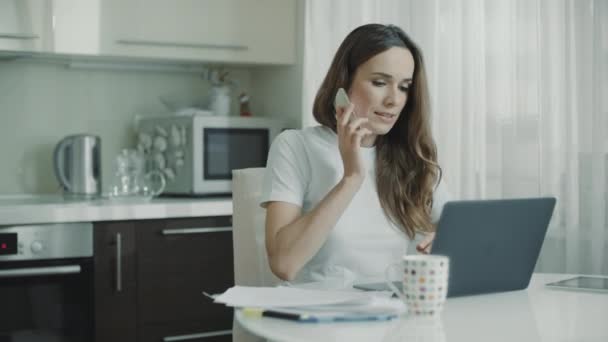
{"points": [[345, 198]]}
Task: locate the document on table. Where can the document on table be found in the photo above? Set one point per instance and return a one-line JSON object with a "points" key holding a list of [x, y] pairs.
{"points": [[377, 309], [311, 306], [265, 297]]}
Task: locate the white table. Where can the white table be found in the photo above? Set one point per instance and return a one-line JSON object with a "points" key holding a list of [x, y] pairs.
{"points": [[535, 314]]}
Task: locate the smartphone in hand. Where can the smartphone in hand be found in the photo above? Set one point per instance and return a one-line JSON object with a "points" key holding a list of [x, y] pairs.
{"points": [[342, 100]]}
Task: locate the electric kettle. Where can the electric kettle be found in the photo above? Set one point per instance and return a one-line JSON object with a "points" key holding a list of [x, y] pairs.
{"points": [[77, 163]]}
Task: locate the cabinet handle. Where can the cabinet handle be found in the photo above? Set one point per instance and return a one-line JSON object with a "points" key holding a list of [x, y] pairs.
{"points": [[118, 262], [196, 336], [23, 36], [182, 45], [195, 230], [39, 271]]}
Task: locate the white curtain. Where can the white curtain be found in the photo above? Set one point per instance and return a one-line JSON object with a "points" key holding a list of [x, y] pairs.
{"points": [[520, 103]]}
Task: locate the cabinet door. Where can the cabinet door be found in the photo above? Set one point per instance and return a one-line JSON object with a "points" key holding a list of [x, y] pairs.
{"points": [[177, 260], [115, 283], [261, 31], [23, 23]]}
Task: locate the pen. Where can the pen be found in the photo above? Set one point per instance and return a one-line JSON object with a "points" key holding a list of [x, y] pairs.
{"points": [[255, 312]]}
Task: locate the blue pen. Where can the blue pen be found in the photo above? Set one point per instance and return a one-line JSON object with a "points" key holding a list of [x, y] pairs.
{"points": [[350, 318]]}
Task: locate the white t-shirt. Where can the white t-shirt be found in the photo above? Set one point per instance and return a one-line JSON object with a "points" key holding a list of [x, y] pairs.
{"points": [[303, 166]]}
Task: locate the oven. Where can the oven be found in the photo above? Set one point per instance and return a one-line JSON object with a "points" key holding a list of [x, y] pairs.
{"points": [[46, 282]]}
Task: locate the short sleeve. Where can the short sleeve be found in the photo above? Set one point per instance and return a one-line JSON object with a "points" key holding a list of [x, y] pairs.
{"points": [[287, 171], [440, 197]]}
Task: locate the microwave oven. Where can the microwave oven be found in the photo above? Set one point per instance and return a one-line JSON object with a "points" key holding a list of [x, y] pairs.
{"points": [[198, 153]]}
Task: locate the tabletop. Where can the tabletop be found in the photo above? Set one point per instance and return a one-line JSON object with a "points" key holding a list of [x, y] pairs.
{"points": [[535, 314]]}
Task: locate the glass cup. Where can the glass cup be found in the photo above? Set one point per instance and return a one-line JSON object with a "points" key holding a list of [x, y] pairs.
{"points": [[152, 183], [425, 282], [130, 179]]}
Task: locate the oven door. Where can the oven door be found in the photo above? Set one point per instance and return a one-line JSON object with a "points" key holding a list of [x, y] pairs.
{"points": [[49, 300]]}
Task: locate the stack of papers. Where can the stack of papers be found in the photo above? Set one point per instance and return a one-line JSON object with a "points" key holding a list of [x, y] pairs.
{"points": [[281, 296], [315, 306]]}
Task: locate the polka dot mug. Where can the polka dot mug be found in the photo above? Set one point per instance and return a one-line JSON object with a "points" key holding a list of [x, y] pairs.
{"points": [[425, 282]]}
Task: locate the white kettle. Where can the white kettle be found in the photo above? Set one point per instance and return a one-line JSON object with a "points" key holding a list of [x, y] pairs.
{"points": [[77, 163]]}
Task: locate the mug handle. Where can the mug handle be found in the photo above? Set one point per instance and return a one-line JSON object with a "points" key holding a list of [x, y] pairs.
{"points": [[161, 185], [387, 279]]}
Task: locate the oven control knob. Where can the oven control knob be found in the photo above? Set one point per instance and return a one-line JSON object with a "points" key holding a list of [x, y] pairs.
{"points": [[36, 247]]}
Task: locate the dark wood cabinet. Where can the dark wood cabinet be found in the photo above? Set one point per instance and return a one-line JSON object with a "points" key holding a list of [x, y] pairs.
{"points": [[173, 262], [114, 281], [178, 260]]}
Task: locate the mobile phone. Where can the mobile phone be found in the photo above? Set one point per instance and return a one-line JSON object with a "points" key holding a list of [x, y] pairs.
{"points": [[341, 99], [382, 286]]}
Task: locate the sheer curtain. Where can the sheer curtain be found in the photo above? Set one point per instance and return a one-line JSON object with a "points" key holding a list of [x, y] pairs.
{"points": [[520, 103]]}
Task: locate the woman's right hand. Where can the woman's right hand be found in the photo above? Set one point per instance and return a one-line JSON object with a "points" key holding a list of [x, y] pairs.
{"points": [[424, 247], [350, 134]]}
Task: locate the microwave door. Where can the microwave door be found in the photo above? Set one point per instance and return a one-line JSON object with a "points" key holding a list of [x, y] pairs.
{"points": [[226, 149]]}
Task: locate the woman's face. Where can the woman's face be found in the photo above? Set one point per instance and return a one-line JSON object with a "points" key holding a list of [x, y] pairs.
{"points": [[379, 89]]}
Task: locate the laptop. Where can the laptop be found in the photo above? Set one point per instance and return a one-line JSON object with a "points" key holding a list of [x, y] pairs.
{"points": [[493, 245]]}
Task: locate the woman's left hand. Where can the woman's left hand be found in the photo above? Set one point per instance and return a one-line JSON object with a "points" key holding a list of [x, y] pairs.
{"points": [[425, 245]]}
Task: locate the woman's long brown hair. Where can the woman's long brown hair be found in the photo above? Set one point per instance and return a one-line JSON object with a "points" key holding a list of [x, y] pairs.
{"points": [[406, 157]]}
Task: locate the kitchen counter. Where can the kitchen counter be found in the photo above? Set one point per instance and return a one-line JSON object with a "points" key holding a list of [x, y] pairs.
{"points": [[33, 209]]}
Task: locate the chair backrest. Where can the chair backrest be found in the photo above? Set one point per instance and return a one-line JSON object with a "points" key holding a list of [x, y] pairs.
{"points": [[248, 235]]}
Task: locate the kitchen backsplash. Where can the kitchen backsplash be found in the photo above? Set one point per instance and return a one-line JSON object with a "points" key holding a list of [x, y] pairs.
{"points": [[42, 102]]}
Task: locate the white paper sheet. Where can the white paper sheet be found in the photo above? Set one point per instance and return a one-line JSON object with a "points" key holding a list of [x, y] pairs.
{"points": [[375, 305], [268, 297]]}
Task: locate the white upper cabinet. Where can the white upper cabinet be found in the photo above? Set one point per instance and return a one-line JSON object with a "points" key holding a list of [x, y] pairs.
{"points": [[23, 24], [224, 31], [77, 26], [248, 31]]}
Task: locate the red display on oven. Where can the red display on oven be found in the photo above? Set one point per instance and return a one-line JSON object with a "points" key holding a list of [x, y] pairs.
{"points": [[8, 243]]}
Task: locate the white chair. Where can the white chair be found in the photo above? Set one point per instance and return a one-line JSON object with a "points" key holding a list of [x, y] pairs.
{"points": [[248, 236]]}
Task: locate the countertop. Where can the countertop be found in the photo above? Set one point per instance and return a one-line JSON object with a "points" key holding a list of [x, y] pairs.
{"points": [[34, 209]]}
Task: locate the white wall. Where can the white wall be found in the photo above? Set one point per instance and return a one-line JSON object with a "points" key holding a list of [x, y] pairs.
{"points": [[279, 89], [40, 102]]}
